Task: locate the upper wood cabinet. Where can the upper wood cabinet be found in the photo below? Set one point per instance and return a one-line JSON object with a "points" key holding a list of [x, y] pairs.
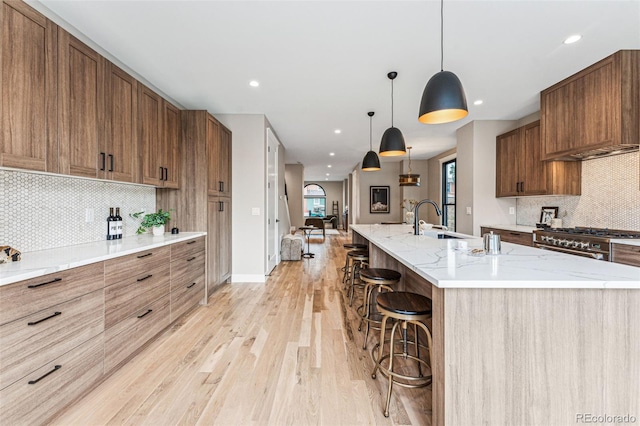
{"points": [[159, 138], [219, 155], [521, 172], [118, 153], [28, 133], [593, 110], [81, 97]]}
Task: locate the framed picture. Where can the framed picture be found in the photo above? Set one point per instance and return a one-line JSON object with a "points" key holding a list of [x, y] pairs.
{"points": [[379, 199], [548, 213]]}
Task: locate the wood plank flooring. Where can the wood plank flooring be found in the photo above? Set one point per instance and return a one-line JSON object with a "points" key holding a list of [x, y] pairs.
{"points": [[286, 352]]}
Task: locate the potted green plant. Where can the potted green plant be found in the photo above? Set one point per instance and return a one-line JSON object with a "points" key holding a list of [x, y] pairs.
{"points": [[155, 221]]}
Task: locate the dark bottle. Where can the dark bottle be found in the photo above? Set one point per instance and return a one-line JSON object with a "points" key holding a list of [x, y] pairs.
{"points": [[112, 227], [118, 224]]}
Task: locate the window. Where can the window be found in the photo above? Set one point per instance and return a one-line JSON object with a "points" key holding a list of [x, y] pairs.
{"points": [[315, 201], [449, 194]]}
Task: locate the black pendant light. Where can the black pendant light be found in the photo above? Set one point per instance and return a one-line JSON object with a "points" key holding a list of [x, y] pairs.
{"points": [[443, 99], [371, 162], [409, 179], [392, 143]]}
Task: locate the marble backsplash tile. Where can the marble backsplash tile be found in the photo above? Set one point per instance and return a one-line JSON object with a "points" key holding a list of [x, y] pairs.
{"points": [[41, 211], [610, 197]]}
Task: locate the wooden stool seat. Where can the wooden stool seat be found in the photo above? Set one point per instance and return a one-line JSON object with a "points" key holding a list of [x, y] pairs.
{"points": [[355, 246], [380, 275], [403, 308]]}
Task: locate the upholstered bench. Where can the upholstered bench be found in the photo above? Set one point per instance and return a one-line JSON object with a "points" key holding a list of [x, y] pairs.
{"points": [[291, 247]]}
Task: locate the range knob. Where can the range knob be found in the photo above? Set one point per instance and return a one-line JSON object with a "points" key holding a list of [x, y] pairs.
{"points": [[543, 238], [584, 245], [562, 242], [576, 244], [553, 240]]}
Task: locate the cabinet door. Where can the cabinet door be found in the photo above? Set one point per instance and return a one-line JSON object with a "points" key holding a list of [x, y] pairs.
{"points": [[213, 247], [80, 105], [558, 120], [213, 156], [225, 161], [149, 135], [224, 226], [533, 173], [171, 145], [118, 146], [507, 164], [28, 133]]}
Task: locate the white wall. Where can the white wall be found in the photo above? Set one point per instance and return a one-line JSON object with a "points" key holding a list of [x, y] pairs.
{"points": [[386, 176], [476, 177], [249, 186], [294, 176]]}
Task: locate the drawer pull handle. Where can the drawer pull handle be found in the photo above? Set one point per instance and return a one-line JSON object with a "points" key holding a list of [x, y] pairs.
{"points": [[55, 314], [191, 258], [33, 382], [55, 280], [191, 285], [191, 242], [146, 313], [145, 255], [145, 278], [515, 233]]}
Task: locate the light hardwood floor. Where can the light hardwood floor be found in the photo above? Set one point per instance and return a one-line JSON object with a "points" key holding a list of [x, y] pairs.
{"points": [[286, 352]]}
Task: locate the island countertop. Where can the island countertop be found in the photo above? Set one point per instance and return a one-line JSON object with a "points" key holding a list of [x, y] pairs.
{"points": [[444, 265], [38, 263]]}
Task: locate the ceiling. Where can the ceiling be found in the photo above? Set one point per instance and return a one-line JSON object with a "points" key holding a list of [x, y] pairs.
{"points": [[322, 65]]}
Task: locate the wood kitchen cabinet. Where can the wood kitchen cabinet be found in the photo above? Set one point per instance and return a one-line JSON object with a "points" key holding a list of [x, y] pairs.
{"points": [[520, 170], [187, 276], [624, 253], [515, 237], [199, 204], [81, 77], [28, 120], [118, 153], [159, 139], [593, 110]]}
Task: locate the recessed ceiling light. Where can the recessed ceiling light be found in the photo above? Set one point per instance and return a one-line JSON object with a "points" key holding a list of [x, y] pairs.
{"points": [[329, 165], [326, 178], [478, 102], [337, 131], [332, 154], [328, 174], [254, 83], [572, 39]]}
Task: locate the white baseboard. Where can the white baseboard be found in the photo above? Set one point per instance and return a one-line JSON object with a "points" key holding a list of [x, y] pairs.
{"points": [[248, 278]]}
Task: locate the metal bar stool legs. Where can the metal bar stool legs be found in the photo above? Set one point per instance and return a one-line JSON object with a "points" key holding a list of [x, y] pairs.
{"points": [[377, 280], [403, 308]]}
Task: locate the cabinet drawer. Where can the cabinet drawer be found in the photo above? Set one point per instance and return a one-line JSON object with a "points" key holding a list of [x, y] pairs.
{"points": [[123, 268], [54, 387], [515, 237], [127, 297], [186, 295], [187, 249], [30, 296], [131, 333], [30, 342], [627, 254], [184, 269]]}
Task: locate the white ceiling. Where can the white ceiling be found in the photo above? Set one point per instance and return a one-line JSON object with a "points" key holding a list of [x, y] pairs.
{"points": [[322, 65]]}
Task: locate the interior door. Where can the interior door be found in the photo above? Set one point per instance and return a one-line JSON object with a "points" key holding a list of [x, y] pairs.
{"points": [[272, 249]]}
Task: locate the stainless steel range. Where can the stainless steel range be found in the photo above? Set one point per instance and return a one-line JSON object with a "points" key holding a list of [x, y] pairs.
{"points": [[587, 242]]}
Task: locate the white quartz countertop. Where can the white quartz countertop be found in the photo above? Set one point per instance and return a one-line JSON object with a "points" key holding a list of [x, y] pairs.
{"points": [[38, 263], [516, 228], [440, 262], [626, 241]]}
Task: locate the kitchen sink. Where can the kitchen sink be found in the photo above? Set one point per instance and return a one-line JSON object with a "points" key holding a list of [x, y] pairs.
{"points": [[446, 236]]}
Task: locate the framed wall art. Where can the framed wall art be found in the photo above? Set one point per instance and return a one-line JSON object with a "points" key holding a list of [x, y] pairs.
{"points": [[379, 199]]}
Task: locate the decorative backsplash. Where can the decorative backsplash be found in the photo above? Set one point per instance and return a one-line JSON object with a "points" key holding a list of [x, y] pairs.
{"points": [[610, 197], [41, 211]]}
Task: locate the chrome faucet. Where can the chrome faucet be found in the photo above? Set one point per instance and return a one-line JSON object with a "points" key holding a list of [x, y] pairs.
{"points": [[416, 220]]}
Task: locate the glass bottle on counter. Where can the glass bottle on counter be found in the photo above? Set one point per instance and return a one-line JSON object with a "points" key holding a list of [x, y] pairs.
{"points": [[118, 224], [112, 227]]}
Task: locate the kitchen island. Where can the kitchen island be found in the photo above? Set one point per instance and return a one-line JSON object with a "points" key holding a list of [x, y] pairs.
{"points": [[527, 337]]}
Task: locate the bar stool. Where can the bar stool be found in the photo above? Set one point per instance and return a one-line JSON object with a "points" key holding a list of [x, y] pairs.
{"points": [[405, 308], [358, 259], [376, 279], [345, 268]]}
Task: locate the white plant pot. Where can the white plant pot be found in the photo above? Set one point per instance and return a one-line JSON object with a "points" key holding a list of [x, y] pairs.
{"points": [[158, 230], [409, 217]]}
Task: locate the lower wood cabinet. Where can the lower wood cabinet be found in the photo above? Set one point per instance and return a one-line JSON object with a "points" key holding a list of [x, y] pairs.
{"points": [[515, 237], [624, 253], [187, 276], [40, 395]]}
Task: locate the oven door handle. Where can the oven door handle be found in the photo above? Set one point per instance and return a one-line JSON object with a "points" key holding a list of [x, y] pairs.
{"points": [[597, 256]]}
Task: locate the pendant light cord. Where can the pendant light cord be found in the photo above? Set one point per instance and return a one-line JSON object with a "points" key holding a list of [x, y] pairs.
{"points": [[441, 35], [391, 102], [370, 131]]}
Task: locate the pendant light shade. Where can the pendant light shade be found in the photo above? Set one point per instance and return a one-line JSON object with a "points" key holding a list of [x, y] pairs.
{"points": [[371, 162], [392, 143], [409, 179], [443, 99]]}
